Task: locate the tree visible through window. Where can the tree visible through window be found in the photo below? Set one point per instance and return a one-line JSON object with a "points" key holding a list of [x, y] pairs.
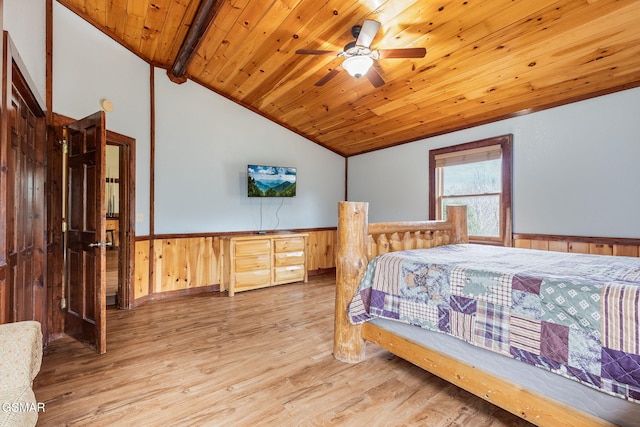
{"points": [[476, 174]]}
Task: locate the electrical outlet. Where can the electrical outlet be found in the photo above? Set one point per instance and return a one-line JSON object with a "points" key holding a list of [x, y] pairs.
{"points": [[139, 217]]}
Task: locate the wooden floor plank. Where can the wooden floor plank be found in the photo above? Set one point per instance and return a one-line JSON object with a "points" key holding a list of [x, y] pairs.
{"points": [[259, 358]]}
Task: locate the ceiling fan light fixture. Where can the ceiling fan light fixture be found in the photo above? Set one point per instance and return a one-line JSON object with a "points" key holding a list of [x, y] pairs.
{"points": [[357, 66]]}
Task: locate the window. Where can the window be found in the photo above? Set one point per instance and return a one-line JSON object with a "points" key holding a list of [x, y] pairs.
{"points": [[476, 174]]}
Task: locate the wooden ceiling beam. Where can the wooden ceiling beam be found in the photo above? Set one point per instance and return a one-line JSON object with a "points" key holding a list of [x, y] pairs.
{"points": [[203, 19]]}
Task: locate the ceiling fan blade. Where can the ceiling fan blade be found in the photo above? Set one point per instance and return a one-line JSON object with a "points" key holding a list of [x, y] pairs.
{"points": [[374, 77], [367, 33], [315, 52], [331, 74], [411, 52]]}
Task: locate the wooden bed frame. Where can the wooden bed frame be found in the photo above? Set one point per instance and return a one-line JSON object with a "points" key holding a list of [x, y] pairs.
{"points": [[358, 242]]}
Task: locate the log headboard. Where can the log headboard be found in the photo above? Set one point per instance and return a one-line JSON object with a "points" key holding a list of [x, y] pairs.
{"points": [[359, 241]]}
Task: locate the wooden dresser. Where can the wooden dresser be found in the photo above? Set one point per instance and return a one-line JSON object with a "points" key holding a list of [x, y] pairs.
{"points": [[255, 261], [112, 226]]}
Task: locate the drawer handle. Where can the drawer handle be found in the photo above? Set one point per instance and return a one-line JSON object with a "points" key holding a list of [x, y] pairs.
{"points": [[299, 253]]}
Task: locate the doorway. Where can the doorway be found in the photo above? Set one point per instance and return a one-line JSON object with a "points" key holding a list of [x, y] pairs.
{"points": [[90, 196], [119, 200]]}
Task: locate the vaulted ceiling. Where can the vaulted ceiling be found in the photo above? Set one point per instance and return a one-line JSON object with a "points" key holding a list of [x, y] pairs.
{"points": [[486, 59]]}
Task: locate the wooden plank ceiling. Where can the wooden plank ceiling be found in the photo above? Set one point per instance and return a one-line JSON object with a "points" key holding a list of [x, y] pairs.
{"points": [[485, 61]]}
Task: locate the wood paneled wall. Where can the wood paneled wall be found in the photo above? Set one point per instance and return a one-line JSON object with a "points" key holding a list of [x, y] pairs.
{"points": [[141, 274], [321, 250], [583, 245], [184, 264]]}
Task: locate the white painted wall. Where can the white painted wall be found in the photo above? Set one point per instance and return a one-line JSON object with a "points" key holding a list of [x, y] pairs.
{"points": [[204, 143], [25, 20], [89, 66], [576, 170]]}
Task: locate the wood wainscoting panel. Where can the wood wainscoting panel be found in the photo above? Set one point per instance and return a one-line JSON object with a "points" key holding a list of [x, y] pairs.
{"points": [[522, 243], [184, 263], [321, 250], [190, 262], [540, 245], [558, 246], [600, 249], [626, 250], [582, 245], [141, 285], [579, 247]]}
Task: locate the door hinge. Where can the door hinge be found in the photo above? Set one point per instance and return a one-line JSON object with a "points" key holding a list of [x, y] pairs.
{"points": [[64, 226], [63, 303]]}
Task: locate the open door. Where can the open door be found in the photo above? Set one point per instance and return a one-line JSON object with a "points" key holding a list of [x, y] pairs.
{"points": [[85, 246]]}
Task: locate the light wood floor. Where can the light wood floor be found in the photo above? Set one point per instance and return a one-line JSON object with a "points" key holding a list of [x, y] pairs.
{"points": [[261, 358]]}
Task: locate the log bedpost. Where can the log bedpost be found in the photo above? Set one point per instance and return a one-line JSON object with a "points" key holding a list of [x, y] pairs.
{"points": [[351, 263], [457, 216]]}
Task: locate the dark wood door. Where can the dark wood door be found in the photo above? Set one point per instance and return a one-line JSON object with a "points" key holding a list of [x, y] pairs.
{"points": [[85, 253], [25, 212]]}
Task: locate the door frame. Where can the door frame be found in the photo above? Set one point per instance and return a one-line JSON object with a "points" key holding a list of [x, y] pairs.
{"points": [[128, 156], [126, 216]]}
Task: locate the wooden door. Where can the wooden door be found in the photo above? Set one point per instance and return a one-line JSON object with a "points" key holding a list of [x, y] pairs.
{"points": [[85, 244], [25, 212]]}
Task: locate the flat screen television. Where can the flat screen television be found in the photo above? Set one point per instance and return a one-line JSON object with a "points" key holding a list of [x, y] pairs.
{"points": [[271, 181]]}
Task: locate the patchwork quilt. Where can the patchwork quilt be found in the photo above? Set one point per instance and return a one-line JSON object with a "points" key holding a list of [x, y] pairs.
{"points": [[576, 315]]}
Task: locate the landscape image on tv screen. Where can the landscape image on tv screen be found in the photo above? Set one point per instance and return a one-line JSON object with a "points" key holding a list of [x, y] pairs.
{"points": [[271, 181]]}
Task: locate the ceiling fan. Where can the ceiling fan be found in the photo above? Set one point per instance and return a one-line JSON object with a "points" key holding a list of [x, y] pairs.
{"points": [[359, 57]]}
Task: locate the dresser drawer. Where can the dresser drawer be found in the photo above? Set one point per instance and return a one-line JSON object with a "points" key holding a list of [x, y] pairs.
{"points": [[289, 258], [287, 245], [253, 247], [252, 279], [292, 273], [250, 263]]}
